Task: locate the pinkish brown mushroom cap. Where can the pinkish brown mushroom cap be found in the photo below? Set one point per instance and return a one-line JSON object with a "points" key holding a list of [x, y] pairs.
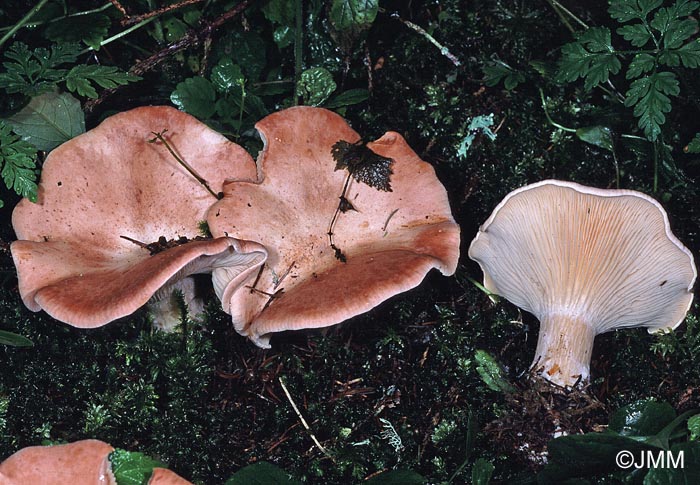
{"points": [[80, 463], [71, 258], [390, 241], [584, 261]]}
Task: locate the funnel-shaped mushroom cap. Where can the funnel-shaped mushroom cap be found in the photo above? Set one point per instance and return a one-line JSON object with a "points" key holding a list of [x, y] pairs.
{"points": [[391, 239], [80, 463], [72, 260], [604, 258]]}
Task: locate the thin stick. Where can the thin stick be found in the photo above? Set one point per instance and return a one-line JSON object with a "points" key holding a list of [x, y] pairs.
{"points": [[443, 50], [23, 21], [386, 223], [303, 421], [339, 253], [137, 18], [138, 243], [161, 138]]}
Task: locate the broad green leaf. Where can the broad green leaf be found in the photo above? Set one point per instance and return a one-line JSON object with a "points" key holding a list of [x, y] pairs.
{"points": [[599, 136], [641, 418], [673, 473], [280, 12], [491, 373], [174, 29], [636, 34], [649, 96], [247, 49], [591, 453], [261, 473], [482, 471], [315, 86], [348, 98], [626, 10], [226, 75], [91, 29], [694, 427], [641, 64], [397, 477], [49, 120], [196, 96], [14, 340], [132, 468], [353, 14], [81, 78], [694, 145]]}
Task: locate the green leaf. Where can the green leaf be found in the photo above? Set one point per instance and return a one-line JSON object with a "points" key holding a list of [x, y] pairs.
{"points": [[649, 96], [641, 418], [591, 453], [226, 75], [498, 71], [49, 120], [482, 471], [91, 29], [347, 98], [261, 473], [279, 12], [668, 474], [599, 136], [641, 64], [491, 373], [591, 57], [195, 96], [636, 34], [34, 72], [132, 468], [315, 86], [247, 49], [397, 477], [18, 160], [689, 54], [81, 78], [353, 14], [694, 427], [694, 145], [14, 340], [626, 10]]}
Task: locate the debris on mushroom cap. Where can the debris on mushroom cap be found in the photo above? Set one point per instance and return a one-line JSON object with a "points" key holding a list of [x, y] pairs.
{"points": [[80, 463], [584, 261], [390, 240], [163, 476], [102, 193]]}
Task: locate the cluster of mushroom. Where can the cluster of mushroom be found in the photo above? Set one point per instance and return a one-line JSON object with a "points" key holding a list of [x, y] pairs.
{"points": [[584, 261], [118, 217], [84, 462]]}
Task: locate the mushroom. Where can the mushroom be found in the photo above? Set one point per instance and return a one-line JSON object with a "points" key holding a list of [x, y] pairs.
{"points": [[584, 261], [163, 476], [388, 239], [80, 463], [108, 199]]}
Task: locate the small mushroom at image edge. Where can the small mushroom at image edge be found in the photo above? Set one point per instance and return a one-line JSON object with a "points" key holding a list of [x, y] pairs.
{"points": [[384, 241], [584, 261], [83, 462], [85, 250]]}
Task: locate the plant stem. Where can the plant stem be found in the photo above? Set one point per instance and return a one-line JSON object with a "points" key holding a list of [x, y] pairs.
{"points": [[23, 21], [298, 47], [76, 14], [549, 119], [561, 8], [120, 34], [656, 166], [443, 50]]}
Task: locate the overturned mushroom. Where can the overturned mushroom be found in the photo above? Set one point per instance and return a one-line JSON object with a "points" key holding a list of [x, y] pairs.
{"points": [[584, 261], [383, 241], [88, 250]]}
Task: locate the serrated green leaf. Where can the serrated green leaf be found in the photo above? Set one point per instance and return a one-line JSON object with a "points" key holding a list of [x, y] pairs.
{"points": [[261, 473], [348, 98], [132, 468], [641, 64], [195, 96], [14, 340], [91, 29], [49, 120], [397, 477], [591, 57], [36, 71], [649, 96], [482, 470], [682, 30], [491, 373], [226, 75], [81, 78], [635, 34], [315, 86], [689, 54], [18, 161], [353, 14], [694, 427], [626, 10]]}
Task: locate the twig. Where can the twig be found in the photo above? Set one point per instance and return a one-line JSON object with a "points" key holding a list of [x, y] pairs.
{"points": [[443, 50], [22, 21], [119, 7], [129, 20], [298, 46], [303, 421]]}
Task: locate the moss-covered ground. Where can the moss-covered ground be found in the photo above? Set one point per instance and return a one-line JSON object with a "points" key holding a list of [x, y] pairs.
{"points": [[207, 402]]}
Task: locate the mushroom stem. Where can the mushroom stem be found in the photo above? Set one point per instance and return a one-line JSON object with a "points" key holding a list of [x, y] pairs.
{"points": [[564, 349]]}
